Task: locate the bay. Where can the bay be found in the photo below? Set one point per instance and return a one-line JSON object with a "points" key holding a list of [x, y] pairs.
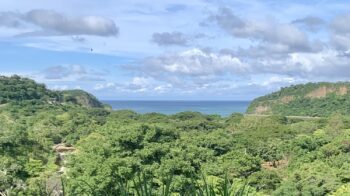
{"points": [[223, 108]]}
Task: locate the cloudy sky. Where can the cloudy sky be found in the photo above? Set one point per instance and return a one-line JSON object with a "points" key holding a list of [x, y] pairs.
{"points": [[175, 49]]}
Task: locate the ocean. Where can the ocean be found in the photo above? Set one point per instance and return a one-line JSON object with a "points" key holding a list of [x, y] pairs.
{"points": [[223, 108]]}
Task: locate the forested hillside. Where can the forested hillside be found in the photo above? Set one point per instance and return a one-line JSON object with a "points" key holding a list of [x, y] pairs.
{"points": [[312, 99], [60, 146], [16, 89], [82, 98]]}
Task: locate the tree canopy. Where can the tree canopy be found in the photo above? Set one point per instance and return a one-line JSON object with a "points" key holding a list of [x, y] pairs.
{"points": [[65, 146]]}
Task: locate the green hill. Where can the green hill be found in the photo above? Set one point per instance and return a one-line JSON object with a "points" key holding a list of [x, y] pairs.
{"points": [[19, 89], [311, 99], [15, 88], [82, 98]]}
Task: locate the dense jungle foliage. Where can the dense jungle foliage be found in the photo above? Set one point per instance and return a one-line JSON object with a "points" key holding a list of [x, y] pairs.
{"points": [[26, 91], [312, 99], [124, 153]]}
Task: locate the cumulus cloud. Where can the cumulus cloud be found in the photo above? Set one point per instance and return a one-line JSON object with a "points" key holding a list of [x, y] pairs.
{"points": [[189, 70], [170, 38], [60, 71], [269, 31], [71, 72], [60, 87], [176, 38], [135, 85], [277, 54], [78, 39], [10, 19], [91, 78], [340, 28], [268, 54], [196, 62], [310, 22], [105, 86], [340, 24], [325, 65], [198, 70], [279, 80], [328, 64], [198, 65], [50, 22]]}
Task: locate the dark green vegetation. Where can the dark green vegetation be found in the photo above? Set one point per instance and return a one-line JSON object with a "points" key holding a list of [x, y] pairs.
{"points": [[81, 98], [312, 99], [19, 90], [125, 153]]}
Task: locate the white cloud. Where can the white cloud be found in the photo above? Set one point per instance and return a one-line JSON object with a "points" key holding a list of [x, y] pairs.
{"points": [[266, 31], [163, 88], [51, 23], [251, 43], [70, 73], [340, 24], [135, 85], [10, 19], [170, 38], [195, 63], [63, 71], [60, 87], [340, 28], [311, 23], [109, 85], [278, 80]]}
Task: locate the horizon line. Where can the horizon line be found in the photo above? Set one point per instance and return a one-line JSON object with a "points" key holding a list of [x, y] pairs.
{"points": [[167, 100]]}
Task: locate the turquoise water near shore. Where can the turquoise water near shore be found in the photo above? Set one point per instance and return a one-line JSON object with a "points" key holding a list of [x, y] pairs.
{"points": [[223, 108]]}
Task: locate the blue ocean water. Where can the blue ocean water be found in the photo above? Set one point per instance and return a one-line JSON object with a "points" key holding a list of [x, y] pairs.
{"points": [[223, 108]]}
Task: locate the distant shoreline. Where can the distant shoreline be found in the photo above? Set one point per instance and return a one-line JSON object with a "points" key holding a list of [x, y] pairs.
{"points": [[168, 107], [106, 100]]}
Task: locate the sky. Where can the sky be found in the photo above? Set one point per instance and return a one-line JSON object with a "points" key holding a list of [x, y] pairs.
{"points": [[175, 50]]}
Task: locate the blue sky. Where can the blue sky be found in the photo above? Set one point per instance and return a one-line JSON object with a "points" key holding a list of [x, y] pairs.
{"points": [[175, 50]]}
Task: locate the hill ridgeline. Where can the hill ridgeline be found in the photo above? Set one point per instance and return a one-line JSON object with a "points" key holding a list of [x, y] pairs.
{"points": [[311, 99], [18, 89]]}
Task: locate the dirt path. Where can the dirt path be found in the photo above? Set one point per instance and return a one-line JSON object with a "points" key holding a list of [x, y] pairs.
{"points": [[54, 183]]}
